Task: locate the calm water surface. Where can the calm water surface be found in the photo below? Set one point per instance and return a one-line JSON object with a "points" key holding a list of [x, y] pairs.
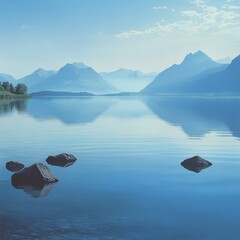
{"points": [[127, 182]]}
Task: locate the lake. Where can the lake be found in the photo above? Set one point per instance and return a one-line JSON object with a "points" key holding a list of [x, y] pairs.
{"points": [[128, 182]]}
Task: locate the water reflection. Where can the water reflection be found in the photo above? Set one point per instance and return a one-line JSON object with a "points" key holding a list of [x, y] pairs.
{"points": [[129, 183], [11, 105], [198, 116], [34, 190], [69, 110]]}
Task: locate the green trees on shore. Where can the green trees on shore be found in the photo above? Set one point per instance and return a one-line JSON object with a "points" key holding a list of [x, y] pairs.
{"points": [[20, 88]]}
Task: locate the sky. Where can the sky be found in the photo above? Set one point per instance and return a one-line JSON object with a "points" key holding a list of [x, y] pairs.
{"points": [[148, 35]]}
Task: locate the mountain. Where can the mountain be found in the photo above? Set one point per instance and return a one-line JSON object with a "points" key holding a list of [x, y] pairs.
{"points": [[223, 82], [36, 77], [192, 65], [76, 77], [7, 78], [128, 80]]}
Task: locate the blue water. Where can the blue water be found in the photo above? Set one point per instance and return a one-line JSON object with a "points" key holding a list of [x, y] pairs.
{"points": [[127, 182]]}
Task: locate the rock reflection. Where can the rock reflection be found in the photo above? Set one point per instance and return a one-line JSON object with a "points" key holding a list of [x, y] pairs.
{"points": [[36, 191], [36, 180]]}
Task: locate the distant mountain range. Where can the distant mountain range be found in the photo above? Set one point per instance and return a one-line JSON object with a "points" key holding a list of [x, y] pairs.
{"points": [[128, 80], [75, 77], [197, 73]]}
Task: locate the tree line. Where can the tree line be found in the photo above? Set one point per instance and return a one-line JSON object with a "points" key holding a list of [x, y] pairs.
{"points": [[20, 88]]}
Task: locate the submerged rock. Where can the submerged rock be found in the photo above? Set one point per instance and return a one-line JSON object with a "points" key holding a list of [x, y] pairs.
{"points": [[196, 164], [36, 191], [14, 166], [61, 160], [35, 175]]}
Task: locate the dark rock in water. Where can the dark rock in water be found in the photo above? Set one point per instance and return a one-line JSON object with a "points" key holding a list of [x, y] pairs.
{"points": [[35, 175], [36, 191], [196, 164], [14, 166], [61, 160]]}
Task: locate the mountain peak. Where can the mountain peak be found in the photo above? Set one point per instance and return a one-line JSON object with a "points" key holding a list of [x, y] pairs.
{"points": [[196, 57], [39, 71], [80, 65], [42, 73]]}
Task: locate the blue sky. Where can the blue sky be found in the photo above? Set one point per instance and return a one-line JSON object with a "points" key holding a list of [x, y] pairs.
{"points": [[148, 35]]}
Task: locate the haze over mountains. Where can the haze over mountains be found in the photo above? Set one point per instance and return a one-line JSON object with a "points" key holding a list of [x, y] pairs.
{"points": [[128, 80], [197, 73], [226, 60]]}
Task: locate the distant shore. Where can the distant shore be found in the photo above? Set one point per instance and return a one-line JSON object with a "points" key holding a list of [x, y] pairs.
{"points": [[134, 94]]}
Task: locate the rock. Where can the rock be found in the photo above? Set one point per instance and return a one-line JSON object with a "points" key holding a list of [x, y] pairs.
{"points": [[196, 164], [14, 166], [36, 191], [61, 160], [35, 175]]}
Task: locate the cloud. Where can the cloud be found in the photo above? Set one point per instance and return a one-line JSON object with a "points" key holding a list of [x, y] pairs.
{"points": [[198, 3], [160, 7], [24, 26], [231, 7], [190, 14], [163, 8], [205, 18]]}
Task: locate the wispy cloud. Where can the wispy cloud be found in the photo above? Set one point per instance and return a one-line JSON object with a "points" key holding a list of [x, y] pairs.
{"points": [[24, 26], [163, 8], [190, 13], [160, 7], [231, 7], [204, 17]]}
